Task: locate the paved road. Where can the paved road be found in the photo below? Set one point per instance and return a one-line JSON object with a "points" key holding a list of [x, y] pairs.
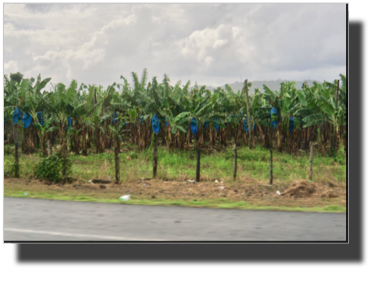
{"points": [[46, 220]]}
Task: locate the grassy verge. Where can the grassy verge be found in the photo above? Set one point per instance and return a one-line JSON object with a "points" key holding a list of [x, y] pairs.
{"points": [[180, 165], [173, 168], [207, 203]]}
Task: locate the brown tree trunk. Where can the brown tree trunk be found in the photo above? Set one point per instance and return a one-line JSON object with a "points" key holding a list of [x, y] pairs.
{"points": [[279, 137], [245, 138], [103, 141], [89, 139], [188, 137], [210, 134], [50, 149], [238, 139], [84, 144]]}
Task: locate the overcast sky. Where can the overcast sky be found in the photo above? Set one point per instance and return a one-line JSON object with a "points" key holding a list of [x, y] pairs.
{"points": [[212, 44]]}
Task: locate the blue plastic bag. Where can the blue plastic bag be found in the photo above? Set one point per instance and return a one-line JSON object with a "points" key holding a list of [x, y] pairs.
{"points": [[193, 126], [39, 117], [216, 125], [69, 125], [273, 118], [291, 124], [27, 119], [16, 116], [155, 124], [246, 125], [114, 117]]}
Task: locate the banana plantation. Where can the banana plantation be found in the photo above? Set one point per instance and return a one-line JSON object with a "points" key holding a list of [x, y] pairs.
{"points": [[84, 118]]}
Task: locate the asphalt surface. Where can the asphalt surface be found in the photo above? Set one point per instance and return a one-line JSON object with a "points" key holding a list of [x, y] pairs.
{"points": [[47, 220]]}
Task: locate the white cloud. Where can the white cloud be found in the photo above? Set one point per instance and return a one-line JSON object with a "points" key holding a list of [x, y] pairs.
{"points": [[207, 43], [10, 67]]}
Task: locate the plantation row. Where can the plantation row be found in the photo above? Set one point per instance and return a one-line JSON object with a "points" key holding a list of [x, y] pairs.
{"points": [[177, 116]]}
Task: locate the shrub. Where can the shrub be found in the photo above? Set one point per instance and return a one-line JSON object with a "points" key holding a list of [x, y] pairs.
{"points": [[8, 149], [50, 168], [10, 168], [340, 156]]}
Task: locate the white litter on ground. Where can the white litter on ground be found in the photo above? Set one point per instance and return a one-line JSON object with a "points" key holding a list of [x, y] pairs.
{"points": [[216, 181], [278, 192], [125, 198], [89, 181], [221, 187]]}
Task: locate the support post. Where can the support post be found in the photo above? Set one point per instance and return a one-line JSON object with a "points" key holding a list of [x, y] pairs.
{"points": [[235, 160], [197, 177], [248, 114], [117, 170], [155, 156], [271, 168], [311, 162]]}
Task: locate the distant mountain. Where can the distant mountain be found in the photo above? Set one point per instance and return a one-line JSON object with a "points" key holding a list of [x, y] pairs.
{"points": [[273, 85]]}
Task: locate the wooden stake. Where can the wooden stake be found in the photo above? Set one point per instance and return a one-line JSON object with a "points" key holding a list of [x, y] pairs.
{"points": [[63, 152], [248, 114], [311, 162], [197, 178], [17, 175], [117, 170], [235, 160], [271, 168], [336, 133], [155, 156]]}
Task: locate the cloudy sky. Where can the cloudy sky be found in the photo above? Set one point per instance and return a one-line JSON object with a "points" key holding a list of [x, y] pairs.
{"points": [[211, 44]]}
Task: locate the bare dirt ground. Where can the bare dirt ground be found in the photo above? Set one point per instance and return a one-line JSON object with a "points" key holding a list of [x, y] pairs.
{"points": [[299, 193]]}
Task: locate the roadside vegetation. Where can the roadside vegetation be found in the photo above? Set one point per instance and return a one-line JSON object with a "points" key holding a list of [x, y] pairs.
{"points": [[153, 135]]}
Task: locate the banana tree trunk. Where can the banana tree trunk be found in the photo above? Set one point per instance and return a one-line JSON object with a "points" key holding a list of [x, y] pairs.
{"points": [[279, 137], [146, 133], [168, 137], [238, 139], [84, 144], [89, 137], [110, 141], [188, 137], [245, 138], [337, 145], [62, 136], [43, 144], [97, 138], [210, 134], [42, 141]]}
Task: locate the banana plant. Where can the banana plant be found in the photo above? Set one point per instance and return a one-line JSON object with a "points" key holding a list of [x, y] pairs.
{"points": [[83, 109], [43, 130], [117, 130], [31, 101], [281, 101]]}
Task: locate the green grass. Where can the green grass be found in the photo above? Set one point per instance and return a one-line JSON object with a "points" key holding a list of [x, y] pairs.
{"points": [[216, 203], [180, 165]]}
